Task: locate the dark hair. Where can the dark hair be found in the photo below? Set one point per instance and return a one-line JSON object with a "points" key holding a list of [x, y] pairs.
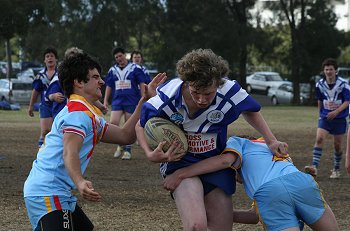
{"points": [[76, 67], [202, 68], [117, 50], [50, 50], [135, 53], [330, 62]]}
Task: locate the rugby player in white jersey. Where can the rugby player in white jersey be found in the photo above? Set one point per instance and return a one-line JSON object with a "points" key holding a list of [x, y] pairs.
{"points": [[203, 102]]}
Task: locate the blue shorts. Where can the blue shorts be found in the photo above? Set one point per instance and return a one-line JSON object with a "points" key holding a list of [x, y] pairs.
{"points": [[39, 206], [283, 201], [334, 126], [45, 110], [127, 108]]}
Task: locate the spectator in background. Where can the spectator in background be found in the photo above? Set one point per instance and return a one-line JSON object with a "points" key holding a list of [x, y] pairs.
{"points": [[333, 97], [125, 83], [40, 85]]}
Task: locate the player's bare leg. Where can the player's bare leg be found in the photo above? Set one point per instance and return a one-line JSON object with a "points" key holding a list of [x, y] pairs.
{"points": [[219, 210], [327, 222], [45, 127], [189, 201], [115, 119]]}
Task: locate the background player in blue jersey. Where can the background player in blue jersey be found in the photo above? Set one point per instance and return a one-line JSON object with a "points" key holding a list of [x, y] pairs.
{"points": [[63, 158], [137, 58], [282, 194], [125, 82], [40, 85], [203, 103], [333, 97]]}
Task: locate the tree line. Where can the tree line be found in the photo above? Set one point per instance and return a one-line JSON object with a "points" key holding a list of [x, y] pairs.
{"points": [[294, 41]]}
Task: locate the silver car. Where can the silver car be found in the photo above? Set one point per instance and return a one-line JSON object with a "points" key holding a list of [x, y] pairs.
{"points": [[283, 94], [263, 81], [16, 90]]}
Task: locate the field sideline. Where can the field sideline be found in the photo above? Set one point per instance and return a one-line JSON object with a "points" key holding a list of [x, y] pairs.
{"points": [[132, 196]]}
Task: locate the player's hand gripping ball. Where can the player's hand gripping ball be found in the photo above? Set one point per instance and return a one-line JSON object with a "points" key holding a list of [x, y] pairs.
{"points": [[158, 129]]}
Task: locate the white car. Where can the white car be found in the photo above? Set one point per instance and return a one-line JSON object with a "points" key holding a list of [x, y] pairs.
{"points": [[283, 94], [263, 81], [15, 91]]}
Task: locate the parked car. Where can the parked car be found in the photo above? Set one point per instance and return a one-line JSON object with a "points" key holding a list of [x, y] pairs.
{"points": [[263, 81], [15, 91], [283, 94], [344, 72], [29, 74]]}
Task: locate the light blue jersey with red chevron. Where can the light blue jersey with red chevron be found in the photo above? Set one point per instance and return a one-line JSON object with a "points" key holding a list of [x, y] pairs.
{"points": [[48, 175], [258, 164]]}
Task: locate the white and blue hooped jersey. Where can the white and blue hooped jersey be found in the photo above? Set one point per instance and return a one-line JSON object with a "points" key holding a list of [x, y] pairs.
{"points": [[258, 164], [125, 84], [41, 83], [48, 175], [207, 129], [332, 96]]}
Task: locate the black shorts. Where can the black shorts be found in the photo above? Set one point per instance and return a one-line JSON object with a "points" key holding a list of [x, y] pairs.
{"points": [[65, 220]]}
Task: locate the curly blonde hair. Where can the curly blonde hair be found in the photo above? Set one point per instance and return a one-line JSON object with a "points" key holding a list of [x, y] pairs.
{"points": [[202, 68]]}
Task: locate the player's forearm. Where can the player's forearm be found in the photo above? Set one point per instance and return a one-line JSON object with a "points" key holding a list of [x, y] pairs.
{"points": [[33, 98], [245, 216], [256, 120], [208, 165]]}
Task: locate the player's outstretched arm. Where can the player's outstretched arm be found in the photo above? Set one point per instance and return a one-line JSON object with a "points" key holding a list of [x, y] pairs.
{"points": [[126, 134], [208, 165], [256, 120]]}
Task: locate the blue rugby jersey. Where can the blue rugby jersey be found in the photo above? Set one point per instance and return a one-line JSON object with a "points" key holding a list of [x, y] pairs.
{"points": [[41, 83], [48, 175], [207, 130], [258, 164], [332, 97], [55, 87], [125, 84]]}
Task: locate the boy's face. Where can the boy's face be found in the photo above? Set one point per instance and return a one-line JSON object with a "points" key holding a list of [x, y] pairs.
{"points": [[92, 87], [136, 58], [329, 71], [121, 60], [203, 97], [50, 60]]}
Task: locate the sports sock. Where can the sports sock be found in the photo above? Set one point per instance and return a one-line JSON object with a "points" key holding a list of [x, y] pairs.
{"points": [[127, 148], [337, 159], [317, 153]]}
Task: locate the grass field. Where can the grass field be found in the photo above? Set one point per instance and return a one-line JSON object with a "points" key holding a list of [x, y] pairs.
{"points": [[132, 196]]}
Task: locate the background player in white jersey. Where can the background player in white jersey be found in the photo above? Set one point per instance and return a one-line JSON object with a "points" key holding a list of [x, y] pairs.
{"points": [[333, 97], [282, 194], [63, 158], [203, 103], [125, 82], [40, 85]]}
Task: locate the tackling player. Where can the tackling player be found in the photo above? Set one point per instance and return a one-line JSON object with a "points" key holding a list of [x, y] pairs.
{"points": [[282, 194]]}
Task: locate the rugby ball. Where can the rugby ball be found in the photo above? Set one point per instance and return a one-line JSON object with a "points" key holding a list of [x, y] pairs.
{"points": [[158, 129]]}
